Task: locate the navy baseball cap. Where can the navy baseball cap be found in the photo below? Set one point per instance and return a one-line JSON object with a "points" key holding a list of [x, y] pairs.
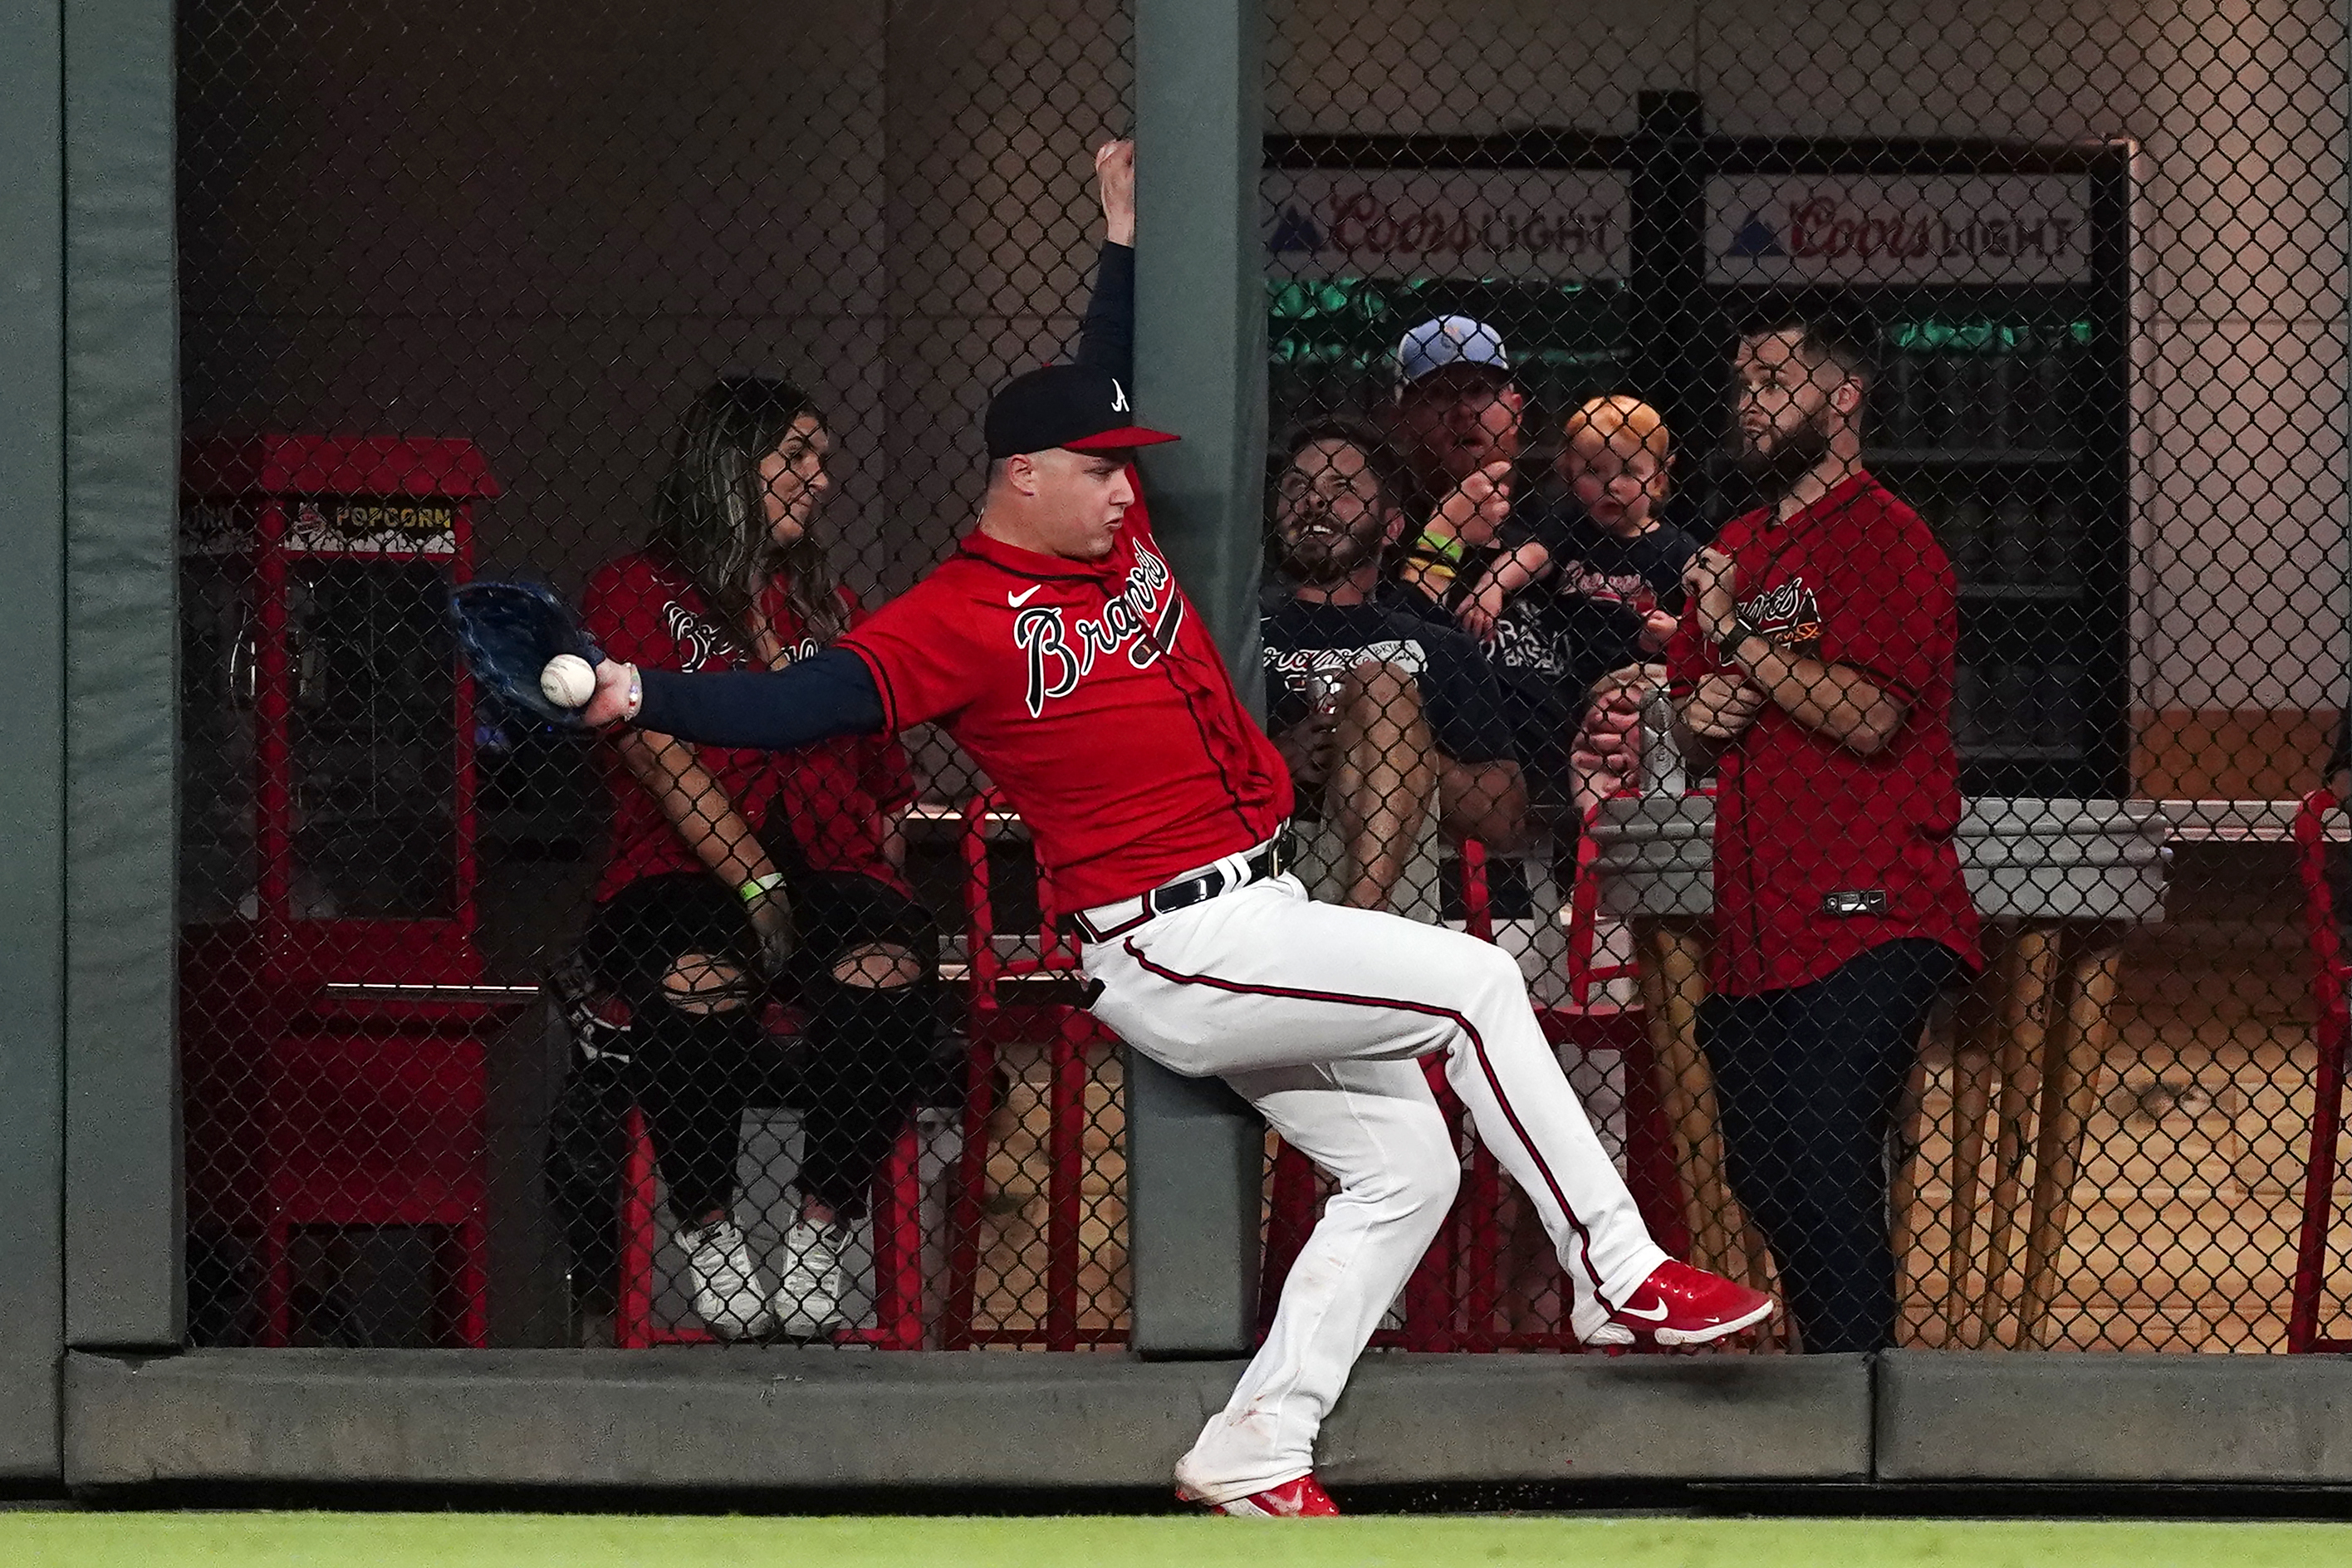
{"points": [[1078, 406]]}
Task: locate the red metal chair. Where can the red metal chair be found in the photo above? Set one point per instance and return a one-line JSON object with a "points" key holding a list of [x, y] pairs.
{"points": [[1595, 1024], [898, 1251], [1013, 1000], [633, 1328], [1453, 1297], [1583, 925], [1020, 1000], [2329, 972]]}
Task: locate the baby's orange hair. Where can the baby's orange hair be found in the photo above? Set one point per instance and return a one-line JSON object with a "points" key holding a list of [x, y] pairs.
{"points": [[1597, 423]]}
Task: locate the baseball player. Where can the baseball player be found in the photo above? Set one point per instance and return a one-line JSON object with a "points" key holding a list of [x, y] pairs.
{"points": [[1056, 646]]}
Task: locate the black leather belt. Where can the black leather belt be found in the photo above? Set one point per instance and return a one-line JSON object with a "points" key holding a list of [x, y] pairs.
{"points": [[1106, 920]]}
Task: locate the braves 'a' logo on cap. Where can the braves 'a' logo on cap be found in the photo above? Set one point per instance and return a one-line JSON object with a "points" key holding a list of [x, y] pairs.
{"points": [[1118, 396]]}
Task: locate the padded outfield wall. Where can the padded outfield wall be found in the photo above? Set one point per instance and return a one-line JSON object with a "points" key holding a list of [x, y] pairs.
{"points": [[112, 265]]}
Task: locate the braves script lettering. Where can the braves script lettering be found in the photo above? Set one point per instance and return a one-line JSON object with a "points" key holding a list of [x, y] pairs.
{"points": [[1789, 613], [1060, 657], [698, 641], [1295, 664], [1581, 580]]}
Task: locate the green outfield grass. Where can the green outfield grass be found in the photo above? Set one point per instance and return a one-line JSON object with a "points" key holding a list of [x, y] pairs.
{"points": [[39, 1540]]}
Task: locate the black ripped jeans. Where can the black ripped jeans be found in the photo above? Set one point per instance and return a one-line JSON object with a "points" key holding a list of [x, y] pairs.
{"points": [[1808, 1081], [869, 1052]]}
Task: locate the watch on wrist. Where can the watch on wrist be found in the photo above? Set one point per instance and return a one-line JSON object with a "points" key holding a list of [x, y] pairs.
{"points": [[1728, 645]]}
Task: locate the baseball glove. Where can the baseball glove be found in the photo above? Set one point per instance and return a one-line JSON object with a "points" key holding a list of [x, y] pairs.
{"points": [[506, 634]]}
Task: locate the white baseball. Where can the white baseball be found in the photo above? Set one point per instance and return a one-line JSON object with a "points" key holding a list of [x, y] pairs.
{"points": [[568, 681]]}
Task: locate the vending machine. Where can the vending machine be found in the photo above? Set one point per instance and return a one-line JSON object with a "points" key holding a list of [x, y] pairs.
{"points": [[333, 1018], [1994, 278]]}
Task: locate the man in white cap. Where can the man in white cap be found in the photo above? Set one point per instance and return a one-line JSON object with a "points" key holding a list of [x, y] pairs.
{"points": [[1457, 415], [1458, 418]]}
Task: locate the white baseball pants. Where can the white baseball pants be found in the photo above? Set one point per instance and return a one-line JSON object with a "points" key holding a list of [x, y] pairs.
{"points": [[1316, 1013]]}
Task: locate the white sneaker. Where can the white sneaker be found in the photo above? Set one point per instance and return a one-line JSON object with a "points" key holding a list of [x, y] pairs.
{"points": [[727, 1296], [807, 1302]]}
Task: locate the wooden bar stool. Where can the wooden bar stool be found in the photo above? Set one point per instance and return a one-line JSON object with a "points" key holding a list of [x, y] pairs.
{"points": [[2058, 883]]}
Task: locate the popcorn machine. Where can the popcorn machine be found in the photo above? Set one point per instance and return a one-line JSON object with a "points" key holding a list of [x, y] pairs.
{"points": [[328, 773], [332, 1013]]}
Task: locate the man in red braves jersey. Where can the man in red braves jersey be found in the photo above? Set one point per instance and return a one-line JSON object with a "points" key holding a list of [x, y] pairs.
{"points": [[733, 867], [1057, 648], [1814, 666]]}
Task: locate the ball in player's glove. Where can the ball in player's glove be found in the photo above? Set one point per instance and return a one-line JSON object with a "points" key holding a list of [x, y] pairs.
{"points": [[507, 632]]}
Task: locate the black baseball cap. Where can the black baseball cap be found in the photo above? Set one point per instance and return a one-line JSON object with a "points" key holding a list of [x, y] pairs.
{"points": [[1078, 406]]}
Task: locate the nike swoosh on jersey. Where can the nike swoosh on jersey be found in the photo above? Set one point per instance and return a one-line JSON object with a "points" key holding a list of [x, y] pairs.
{"points": [[1023, 597], [1659, 1316]]}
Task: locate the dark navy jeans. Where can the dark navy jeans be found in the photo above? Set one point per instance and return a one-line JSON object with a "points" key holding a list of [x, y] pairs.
{"points": [[1808, 1079]]}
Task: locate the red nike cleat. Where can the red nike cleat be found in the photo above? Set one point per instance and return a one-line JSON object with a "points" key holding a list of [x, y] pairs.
{"points": [[1301, 1499], [1679, 1305]]}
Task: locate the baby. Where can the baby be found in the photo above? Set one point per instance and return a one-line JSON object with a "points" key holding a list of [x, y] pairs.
{"points": [[1617, 460]]}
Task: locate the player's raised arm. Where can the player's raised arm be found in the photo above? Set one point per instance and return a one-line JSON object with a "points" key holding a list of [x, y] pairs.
{"points": [[828, 695], [1107, 337]]}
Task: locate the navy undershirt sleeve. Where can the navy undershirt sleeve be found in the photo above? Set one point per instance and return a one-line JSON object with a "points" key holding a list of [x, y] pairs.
{"points": [[828, 695], [1107, 336]]}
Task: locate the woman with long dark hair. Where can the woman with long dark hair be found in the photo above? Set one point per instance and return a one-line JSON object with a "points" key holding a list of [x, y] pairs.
{"points": [[733, 874]]}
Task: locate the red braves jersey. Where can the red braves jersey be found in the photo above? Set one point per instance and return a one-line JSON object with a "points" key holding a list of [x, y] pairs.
{"points": [[1092, 694], [835, 794], [1822, 854]]}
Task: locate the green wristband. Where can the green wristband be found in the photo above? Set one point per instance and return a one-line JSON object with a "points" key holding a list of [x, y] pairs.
{"points": [[759, 887], [1446, 549]]}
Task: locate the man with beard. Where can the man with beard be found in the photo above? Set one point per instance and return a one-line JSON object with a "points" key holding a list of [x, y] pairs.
{"points": [[1813, 666], [1392, 726]]}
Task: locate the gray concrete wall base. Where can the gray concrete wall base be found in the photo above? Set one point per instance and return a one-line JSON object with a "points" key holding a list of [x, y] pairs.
{"points": [[1431, 1418], [791, 1419], [809, 1420], [684, 1419], [2243, 1420]]}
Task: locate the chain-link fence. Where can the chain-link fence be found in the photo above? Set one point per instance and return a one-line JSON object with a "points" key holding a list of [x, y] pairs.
{"points": [[690, 316], [1999, 350], [1911, 892]]}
